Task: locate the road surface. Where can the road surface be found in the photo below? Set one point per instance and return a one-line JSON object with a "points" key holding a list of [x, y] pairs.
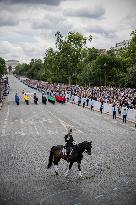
{"points": [[27, 132]]}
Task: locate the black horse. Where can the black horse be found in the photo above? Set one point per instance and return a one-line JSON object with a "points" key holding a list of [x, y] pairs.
{"points": [[76, 155]]}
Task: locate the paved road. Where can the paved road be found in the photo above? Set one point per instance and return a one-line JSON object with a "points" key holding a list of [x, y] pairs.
{"points": [[28, 132]]}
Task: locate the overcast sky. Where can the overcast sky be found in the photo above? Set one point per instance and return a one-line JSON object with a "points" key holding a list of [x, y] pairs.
{"points": [[27, 27]]}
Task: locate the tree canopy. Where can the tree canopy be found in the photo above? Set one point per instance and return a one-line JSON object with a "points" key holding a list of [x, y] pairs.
{"points": [[74, 63], [2, 66]]}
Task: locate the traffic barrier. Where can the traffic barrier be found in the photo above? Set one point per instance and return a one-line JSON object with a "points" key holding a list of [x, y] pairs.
{"points": [[131, 114]]}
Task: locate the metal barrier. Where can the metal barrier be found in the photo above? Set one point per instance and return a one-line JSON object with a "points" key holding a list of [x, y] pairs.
{"points": [[131, 115]]}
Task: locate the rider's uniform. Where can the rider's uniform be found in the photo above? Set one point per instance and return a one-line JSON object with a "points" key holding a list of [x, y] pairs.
{"points": [[69, 142]]}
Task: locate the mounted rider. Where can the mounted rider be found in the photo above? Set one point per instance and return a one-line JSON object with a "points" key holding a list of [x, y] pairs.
{"points": [[69, 142]]}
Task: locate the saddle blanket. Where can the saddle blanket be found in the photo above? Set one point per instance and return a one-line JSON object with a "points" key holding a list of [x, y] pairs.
{"points": [[64, 151]]}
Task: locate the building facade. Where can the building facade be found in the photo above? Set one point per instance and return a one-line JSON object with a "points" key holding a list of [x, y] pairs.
{"points": [[121, 45]]}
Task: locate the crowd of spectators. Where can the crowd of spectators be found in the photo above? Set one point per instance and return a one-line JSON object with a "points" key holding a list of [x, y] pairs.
{"points": [[109, 95]]}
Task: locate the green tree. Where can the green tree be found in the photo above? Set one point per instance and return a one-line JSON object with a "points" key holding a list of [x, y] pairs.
{"points": [[35, 69], [51, 65], [22, 69], [128, 57], [2, 66], [70, 49]]}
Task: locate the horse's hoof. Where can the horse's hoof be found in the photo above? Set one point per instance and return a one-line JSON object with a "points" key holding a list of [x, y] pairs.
{"points": [[56, 173]]}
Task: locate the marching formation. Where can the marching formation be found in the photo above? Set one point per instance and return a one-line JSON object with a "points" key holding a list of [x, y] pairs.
{"points": [[26, 97]]}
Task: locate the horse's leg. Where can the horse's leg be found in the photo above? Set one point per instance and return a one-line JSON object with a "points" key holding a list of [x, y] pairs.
{"points": [[50, 159], [79, 168], [66, 173], [56, 160]]}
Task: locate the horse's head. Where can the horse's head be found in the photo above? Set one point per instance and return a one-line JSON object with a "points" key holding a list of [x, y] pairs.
{"points": [[88, 146]]}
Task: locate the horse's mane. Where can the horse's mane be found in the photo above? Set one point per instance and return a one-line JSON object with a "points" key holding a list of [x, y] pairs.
{"points": [[77, 146], [82, 143]]}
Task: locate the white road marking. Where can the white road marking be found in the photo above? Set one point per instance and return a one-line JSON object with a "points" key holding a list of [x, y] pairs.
{"points": [[50, 132], [21, 121], [33, 123], [115, 189], [66, 126], [63, 123], [23, 134], [32, 98], [114, 121], [98, 196], [107, 118], [30, 94], [133, 128], [36, 129]]}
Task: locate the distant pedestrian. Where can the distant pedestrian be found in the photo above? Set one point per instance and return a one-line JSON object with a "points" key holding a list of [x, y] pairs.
{"points": [[101, 107], [17, 99], [124, 113], [119, 110], [35, 99], [92, 104], [114, 111], [87, 101], [44, 98], [26, 98], [84, 100], [79, 100]]}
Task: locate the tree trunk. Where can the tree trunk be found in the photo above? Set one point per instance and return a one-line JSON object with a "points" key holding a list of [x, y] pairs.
{"points": [[69, 80]]}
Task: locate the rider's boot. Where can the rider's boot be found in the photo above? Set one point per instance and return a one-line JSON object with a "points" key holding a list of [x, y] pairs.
{"points": [[68, 156]]}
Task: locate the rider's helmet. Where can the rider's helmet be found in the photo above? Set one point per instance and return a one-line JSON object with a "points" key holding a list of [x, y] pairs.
{"points": [[70, 130]]}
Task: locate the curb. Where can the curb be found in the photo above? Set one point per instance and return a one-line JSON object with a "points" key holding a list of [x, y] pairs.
{"points": [[106, 113]]}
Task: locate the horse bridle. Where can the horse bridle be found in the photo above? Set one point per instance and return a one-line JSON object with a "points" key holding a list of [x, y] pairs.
{"points": [[86, 150]]}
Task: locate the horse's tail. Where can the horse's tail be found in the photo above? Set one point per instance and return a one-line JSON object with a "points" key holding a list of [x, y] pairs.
{"points": [[50, 159]]}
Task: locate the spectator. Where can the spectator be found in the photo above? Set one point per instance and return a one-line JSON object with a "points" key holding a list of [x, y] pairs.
{"points": [[114, 111], [35, 99], [44, 98], [124, 113], [26, 98], [92, 104], [79, 100], [101, 107], [87, 101], [84, 100], [17, 99]]}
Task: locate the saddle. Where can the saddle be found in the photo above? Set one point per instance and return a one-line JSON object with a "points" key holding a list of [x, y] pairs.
{"points": [[67, 150]]}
